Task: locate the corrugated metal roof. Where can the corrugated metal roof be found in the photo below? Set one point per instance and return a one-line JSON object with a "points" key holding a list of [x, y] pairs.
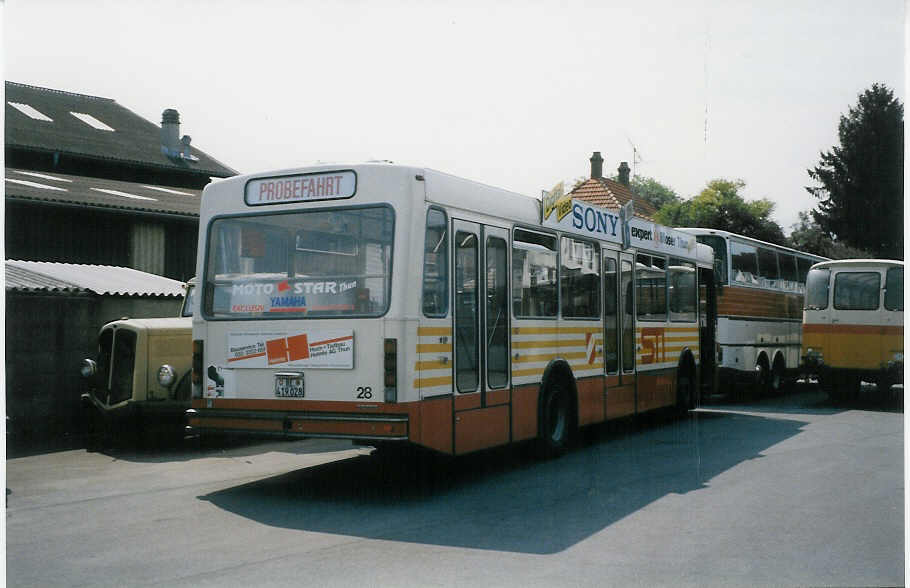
{"points": [[106, 280], [133, 138], [68, 189]]}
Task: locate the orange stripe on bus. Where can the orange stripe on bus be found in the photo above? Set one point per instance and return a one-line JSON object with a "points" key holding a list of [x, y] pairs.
{"points": [[427, 331], [842, 329]]}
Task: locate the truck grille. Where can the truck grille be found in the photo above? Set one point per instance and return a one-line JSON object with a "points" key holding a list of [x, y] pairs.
{"points": [[116, 361]]}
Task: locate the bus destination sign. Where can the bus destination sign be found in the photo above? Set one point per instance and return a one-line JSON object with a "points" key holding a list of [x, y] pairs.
{"points": [[331, 185]]}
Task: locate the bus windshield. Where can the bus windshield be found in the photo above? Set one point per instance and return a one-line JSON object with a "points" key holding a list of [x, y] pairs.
{"points": [[322, 263], [817, 289]]}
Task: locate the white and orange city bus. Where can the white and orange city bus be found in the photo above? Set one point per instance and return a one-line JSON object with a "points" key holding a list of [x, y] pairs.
{"points": [[759, 310], [387, 304], [853, 325]]}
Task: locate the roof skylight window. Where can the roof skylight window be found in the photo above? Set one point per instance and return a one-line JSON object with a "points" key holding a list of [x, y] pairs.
{"points": [[169, 191], [42, 176], [91, 121], [123, 194], [35, 185], [30, 111]]}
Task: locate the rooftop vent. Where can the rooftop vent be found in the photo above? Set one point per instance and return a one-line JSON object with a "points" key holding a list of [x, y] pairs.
{"points": [[174, 148]]}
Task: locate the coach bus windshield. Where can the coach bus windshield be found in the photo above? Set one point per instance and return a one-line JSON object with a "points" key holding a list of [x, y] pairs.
{"points": [[323, 263]]}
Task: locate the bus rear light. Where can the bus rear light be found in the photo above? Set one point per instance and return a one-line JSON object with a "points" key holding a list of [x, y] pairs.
{"points": [[197, 368], [390, 352]]}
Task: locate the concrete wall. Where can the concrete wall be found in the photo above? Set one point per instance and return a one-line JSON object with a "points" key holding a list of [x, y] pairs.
{"points": [[47, 337]]}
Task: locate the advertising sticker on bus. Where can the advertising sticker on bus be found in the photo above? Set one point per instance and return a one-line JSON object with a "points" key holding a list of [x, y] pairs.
{"points": [[293, 297], [312, 348]]}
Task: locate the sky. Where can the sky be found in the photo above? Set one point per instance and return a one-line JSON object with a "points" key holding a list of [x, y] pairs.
{"points": [[513, 94]]}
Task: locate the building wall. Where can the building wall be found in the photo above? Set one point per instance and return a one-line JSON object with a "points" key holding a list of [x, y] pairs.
{"points": [[47, 337], [165, 247]]}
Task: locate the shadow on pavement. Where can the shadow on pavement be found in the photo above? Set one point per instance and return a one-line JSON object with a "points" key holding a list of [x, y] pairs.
{"points": [[505, 499], [810, 399]]}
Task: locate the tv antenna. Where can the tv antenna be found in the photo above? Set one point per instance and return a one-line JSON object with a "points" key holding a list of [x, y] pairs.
{"points": [[636, 155]]}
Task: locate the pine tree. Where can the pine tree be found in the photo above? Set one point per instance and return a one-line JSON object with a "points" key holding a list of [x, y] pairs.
{"points": [[861, 191]]}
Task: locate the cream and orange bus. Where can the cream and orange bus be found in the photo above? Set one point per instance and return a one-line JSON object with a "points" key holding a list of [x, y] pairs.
{"points": [[759, 311], [390, 304], [853, 325]]}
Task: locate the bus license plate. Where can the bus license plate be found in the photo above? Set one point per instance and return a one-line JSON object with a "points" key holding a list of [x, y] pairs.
{"points": [[289, 385]]}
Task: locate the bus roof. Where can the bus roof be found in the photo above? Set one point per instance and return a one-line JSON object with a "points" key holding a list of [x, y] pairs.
{"points": [[838, 263], [721, 233]]}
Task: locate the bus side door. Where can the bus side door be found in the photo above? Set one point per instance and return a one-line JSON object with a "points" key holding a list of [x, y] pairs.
{"points": [[480, 336]]}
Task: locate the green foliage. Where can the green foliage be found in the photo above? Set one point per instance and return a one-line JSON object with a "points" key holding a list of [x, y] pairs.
{"points": [[861, 181], [720, 206], [808, 236], [657, 194]]}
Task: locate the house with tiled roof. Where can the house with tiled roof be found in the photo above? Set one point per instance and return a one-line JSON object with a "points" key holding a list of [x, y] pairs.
{"points": [[89, 181], [609, 193]]}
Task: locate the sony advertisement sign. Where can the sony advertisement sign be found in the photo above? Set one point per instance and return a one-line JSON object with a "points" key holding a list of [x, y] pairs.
{"points": [[579, 217]]}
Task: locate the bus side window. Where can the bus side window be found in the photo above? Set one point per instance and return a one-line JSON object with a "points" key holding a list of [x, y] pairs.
{"points": [[436, 265], [788, 270], [580, 279], [745, 263], [534, 274], [611, 352], [894, 289], [767, 267], [683, 293]]}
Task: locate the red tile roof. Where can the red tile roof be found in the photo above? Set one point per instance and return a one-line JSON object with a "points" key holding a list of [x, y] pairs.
{"points": [[612, 194]]}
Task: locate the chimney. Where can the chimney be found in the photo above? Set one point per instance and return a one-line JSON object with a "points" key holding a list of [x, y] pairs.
{"points": [[597, 165], [624, 174], [170, 132]]}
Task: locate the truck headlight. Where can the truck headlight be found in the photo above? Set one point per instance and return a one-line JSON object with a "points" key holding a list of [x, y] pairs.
{"points": [[89, 368], [166, 375]]}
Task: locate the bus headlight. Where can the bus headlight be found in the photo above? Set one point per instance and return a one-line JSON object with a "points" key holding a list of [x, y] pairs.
{"points": [[814, 357], [166, 375], [89, 368]]}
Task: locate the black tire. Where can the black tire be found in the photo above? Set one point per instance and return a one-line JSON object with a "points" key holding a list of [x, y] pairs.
{"points": [[778, 382], [685, 392], [762, 378], [555, 421]]}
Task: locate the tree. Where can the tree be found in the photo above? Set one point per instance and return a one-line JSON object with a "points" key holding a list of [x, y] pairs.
{"points": [[654, 192], [808, 236], [720, 206], [861, 181]]}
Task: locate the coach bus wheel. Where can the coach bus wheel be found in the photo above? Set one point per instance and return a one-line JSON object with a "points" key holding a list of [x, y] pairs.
{"points": [[778, 377], [762, 377], [554, 421]]}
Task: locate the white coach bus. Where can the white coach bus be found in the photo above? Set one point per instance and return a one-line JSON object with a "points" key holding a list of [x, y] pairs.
{"points": [[759, 314], [393, 304]]}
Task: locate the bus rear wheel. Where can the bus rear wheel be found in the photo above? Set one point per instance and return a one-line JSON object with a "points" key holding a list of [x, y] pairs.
{"points": [[555, 421], [685, 393], [762, 377]]}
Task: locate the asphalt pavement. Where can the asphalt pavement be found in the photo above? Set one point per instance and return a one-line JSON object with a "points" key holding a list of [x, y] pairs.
{"points": [[789, 491]]}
